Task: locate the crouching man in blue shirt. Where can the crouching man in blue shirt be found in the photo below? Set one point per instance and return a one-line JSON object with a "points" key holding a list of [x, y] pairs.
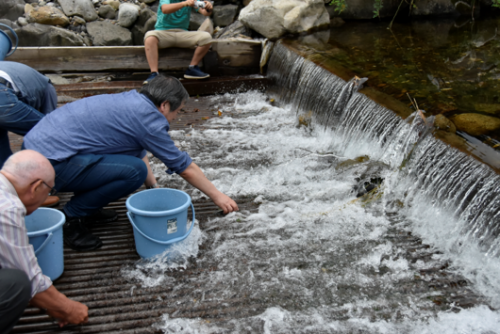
{"points": [[98, 145]]}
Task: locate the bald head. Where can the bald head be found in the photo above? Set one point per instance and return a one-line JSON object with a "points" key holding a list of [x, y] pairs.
{"points": [[28, 166]]}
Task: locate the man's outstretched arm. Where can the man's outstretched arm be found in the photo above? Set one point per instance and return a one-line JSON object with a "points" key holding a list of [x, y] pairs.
{"points": [[195, 177]]}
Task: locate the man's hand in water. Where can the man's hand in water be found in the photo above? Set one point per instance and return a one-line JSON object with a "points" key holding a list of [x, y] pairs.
{"points": [[195, 177], [225, 203]]}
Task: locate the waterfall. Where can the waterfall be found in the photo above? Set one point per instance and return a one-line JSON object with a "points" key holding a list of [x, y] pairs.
{"points": [[447, 177]]}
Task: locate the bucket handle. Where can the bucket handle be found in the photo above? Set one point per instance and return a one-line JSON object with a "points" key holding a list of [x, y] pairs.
{"points": [[15, 36], [49, 236], [158, 241]]}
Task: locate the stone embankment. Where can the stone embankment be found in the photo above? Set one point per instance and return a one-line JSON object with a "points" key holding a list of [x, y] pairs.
{"points": [[124, 22]]}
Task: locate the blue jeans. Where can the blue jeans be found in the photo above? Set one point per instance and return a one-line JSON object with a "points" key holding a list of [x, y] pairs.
{"points": [[97, 180], [18, 117]]}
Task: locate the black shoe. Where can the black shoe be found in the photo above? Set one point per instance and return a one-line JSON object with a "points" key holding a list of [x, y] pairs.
{"points": [[78, 237], [101, 216]]}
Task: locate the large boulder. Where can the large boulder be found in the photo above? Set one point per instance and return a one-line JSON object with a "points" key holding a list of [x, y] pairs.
{"points": [[9, 23], [11, 9], [36, 34], [476, 124], [107, 12], [237, 29], [128, 14], [224, 15], [145, 23], [46, 15], [105, 33], [113, 3], [274, 18], [82, 8]]}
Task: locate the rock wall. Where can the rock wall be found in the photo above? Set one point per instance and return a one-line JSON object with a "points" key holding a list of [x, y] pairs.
{"points": [[124, 22], [97, 22], [274, 18]]}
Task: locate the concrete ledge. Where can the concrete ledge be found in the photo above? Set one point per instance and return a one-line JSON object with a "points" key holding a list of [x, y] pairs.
{"points": [[220, 85], [97, 58], [229, 53]]}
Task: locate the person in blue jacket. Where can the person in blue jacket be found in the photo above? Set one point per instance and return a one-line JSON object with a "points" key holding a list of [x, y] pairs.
{"points": [[97, 146], [26, 96]]}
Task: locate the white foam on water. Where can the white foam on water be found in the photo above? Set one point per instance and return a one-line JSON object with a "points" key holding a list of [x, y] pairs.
{"points": [[445, 232], [319, 259], [153, 272], [185, 326], [275, 320]]}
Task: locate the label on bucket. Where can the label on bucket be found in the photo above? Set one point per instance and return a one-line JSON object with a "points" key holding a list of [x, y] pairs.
{"points": [[171, 226]]}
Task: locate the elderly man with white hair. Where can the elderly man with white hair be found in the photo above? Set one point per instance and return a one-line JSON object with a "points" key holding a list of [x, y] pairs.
{"points": [[26, 179]]}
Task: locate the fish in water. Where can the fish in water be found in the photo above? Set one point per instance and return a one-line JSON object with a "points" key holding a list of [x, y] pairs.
{"points": [[479, 43], [353, 86], [438, 82]]}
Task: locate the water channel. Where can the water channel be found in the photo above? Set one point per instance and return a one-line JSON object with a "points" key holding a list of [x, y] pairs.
{"points": [[364, 222]]}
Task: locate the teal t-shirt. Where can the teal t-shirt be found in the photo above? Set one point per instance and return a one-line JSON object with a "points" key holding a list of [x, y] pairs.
{"points": [[177, 20]]}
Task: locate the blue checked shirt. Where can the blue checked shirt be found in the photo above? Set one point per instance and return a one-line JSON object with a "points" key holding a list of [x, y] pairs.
{"points": [[125, 123]]}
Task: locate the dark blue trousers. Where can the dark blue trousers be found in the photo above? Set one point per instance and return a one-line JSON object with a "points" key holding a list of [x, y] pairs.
{"points": [[18, 117], [97, 180]]}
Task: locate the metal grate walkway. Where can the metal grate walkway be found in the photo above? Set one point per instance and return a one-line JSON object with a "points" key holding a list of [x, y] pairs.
{"points": [[117, 305]]}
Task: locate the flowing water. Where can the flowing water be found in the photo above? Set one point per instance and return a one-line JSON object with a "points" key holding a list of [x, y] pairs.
{"points": [[365, 222], [450, 65]]}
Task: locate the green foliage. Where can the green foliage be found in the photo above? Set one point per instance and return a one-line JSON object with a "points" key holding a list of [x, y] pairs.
{"points": [[377, 6], [496, 3], [340, 5]]}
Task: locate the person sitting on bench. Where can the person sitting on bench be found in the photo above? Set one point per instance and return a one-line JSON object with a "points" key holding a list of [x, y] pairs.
{"points": [[171, 30]]}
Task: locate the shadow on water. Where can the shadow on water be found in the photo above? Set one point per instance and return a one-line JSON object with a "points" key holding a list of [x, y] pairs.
{"points": [[450, 66]]}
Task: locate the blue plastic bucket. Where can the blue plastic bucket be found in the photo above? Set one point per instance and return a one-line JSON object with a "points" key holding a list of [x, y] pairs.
{"points": [[46, 235], [159, 219], [6, 43]]}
